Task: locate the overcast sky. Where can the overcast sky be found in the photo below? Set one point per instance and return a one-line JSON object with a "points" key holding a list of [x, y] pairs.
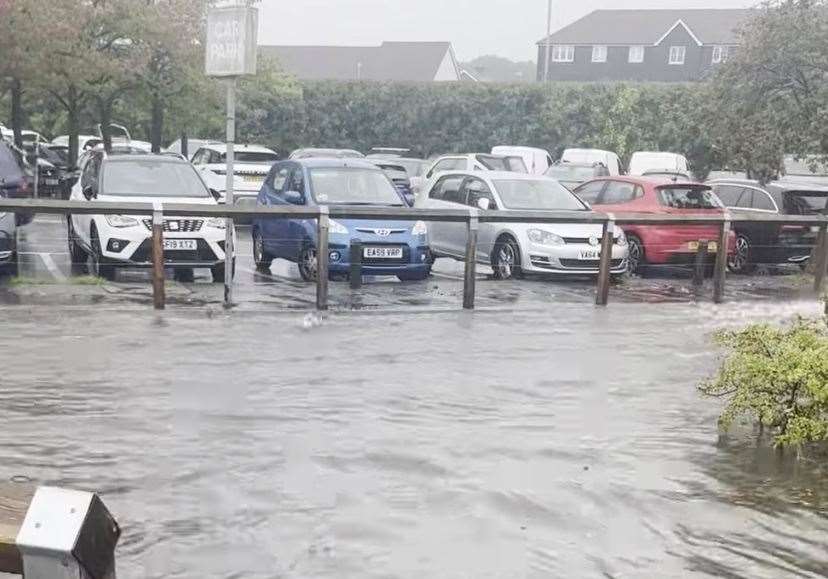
{"points": [[476, 27]]}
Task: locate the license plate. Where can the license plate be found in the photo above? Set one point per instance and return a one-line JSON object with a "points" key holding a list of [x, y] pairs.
{"points": [[180, 245], [382, 252], [712, 246], [51, 182], [254, 179], [590, 254]]}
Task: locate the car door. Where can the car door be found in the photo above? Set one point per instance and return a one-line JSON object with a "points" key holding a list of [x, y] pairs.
{"points": [[296, 231], [274, 230], [444, 194], [474, 189]]}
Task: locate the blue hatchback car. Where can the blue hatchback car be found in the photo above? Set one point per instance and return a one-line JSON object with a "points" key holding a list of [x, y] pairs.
{"points": [[398, 248]]}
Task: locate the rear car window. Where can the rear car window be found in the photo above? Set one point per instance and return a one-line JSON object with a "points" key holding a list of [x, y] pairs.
{"points": [[807, 202], [250, 157], [688, 198], [494, 163]]}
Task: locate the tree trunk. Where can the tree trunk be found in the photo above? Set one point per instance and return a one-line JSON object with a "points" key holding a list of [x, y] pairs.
{"points": [[74, 125], [105, 117], [157, 127], [17, 111]]}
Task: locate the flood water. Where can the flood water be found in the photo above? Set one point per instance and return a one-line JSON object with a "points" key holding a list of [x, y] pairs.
{"points": [[562, 441]]}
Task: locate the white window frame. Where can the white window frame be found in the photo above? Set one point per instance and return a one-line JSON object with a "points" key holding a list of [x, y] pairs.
{"points": [[599, 53], [640, 50], [563, 53], [677, 51], [720, 54]]}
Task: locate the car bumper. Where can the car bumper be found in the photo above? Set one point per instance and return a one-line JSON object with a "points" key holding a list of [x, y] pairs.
{"points": [[569, 259], [414, 260]]}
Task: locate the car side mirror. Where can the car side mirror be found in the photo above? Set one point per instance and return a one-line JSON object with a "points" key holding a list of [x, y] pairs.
{"points": [[216, 195], [294, 198], [483, 203], [89, 192]]}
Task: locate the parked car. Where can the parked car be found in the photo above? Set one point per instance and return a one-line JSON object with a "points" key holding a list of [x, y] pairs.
{"points": [[644, 162], [476, 162], [590, 156], [16, 173], [124, 241], [658, 244], [326, 154], [512, 249], [399, 177], [416, 169], [251, 166], [398, 248], [667, 174], [14, 183], [570, 175], [387, 152], [84, 141], [770, 243], [537, 161], [193, 146]]}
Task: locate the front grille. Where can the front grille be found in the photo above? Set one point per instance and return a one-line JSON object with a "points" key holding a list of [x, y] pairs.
{"points": [[578, 240], [406, 257], [203, 253], [180, 225], [587, 265]]}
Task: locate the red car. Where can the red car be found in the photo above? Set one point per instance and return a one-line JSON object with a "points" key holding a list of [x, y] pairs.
{"points": [[658, 244]]}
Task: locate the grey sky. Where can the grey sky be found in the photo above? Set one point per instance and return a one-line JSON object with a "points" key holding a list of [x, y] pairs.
{"points": [[476, 27]]}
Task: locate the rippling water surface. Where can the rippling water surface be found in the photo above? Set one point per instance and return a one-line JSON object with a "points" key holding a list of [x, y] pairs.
{"points": [[563, 442]]}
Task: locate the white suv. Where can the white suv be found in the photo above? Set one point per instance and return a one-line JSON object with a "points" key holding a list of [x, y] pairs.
{"points": [[113, 241], [251, 165]]}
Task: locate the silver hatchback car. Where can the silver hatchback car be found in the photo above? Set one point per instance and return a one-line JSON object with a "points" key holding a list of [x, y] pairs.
{"points": [[512, 249]]}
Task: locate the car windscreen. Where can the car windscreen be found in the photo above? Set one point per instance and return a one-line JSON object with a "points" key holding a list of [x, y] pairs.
{"points": [[688, 198], [543, 194], [151, 178], [251, 157], [352, 186], [571, 172], [55, 155], [413, 167], [807, 202]]}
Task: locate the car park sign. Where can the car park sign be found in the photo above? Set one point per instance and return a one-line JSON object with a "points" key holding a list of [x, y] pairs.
{"points": [[231, 41]]}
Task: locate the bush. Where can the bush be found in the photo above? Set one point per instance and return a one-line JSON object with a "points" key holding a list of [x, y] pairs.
{"points": [[779, 378]]}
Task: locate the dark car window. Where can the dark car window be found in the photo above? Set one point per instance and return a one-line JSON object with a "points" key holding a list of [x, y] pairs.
{"points": [[688, 198], [296, 181], [147, 177], [590, 192], [618, 192], [447, 189], [762, 200], [251, 157], [89, 178], [806, 202], [729, 194], [474, 190]]}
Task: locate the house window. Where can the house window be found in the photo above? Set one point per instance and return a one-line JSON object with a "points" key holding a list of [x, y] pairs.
{"points": [[599, 54], [563, 53], [636, 54], [720, 54], [677, 54]]}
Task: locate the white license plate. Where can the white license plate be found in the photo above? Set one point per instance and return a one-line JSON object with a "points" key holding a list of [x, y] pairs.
{"points": [[382, 252], [590, 254], [712, 246], [180, 245], [51, 182], [254, 179]]}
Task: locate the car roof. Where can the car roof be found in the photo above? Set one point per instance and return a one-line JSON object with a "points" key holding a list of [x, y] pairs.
{"points": [[333, 162], [126, 158], [650, 180], [601, 151], [222, 148], [497, 175]]}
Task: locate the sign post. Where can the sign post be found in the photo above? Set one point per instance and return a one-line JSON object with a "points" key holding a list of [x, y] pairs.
{"points": [[231, 52]]}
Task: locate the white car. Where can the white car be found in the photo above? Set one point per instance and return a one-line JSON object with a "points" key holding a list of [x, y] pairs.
{"points": [[84, 141], [512, 249], [476, 162], [647, 162], [592, 156], [114, 241], [193, 146], [251, 166], [537, 160]]}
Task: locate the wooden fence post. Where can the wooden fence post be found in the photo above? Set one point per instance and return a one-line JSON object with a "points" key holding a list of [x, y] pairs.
{"points": [[158, 292], [701, 263], [322, 226], [605, 264], [721, 261], [470, 273]]}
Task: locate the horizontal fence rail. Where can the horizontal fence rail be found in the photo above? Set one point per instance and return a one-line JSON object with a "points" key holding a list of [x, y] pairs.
{"points": [[472, 218]]}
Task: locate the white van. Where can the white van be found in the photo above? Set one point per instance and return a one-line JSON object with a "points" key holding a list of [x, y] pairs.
{"points": [[648, 161], [537, 160], [591, 156]]}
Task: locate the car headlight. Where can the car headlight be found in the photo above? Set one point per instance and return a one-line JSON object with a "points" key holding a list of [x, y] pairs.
{"points": [[420, 228], [542, 237], [121, 221], [621, 239], [335, 226], [217, 222]]}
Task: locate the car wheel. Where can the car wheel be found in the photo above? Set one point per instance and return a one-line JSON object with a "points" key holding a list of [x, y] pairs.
{"points": [[739, 262], [12, 267], [98, 268], [307, 263], [506, 259], [260, 256], [76, 252], [636, 259], [184, 274], [218, 272]]}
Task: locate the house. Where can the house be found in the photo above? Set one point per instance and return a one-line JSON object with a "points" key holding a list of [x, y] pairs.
{"points": [[391, 61], [642, 45]]}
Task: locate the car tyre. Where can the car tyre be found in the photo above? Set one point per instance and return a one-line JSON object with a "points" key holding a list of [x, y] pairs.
{"points": [[636, 260], [76, 252], [260, 256], [184, 274], [98, 267], [506, 259], [218, 272], [12, 267], [739, 261], [307, 263]]}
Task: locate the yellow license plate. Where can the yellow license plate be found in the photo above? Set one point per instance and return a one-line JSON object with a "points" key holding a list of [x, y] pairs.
{"points": [[712, 246]]}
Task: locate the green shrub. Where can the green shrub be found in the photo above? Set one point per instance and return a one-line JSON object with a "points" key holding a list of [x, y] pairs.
{"points": [[779, 378]]}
